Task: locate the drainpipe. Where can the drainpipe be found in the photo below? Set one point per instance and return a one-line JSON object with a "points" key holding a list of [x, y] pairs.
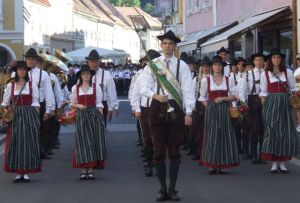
{"points": [[294, 31], [215, 20]]}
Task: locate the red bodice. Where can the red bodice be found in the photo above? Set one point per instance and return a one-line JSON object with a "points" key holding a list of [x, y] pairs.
{"points": [[24, 99], [88, 99], [276, 87], [212, 95]]}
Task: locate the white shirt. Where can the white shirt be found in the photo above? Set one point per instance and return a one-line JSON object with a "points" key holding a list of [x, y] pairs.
{"points": [[46, 92], [59, 97], [99, 96], [196, 86], [108, 88], [297, 72], [26, 91], [149, 83], [246, 84], [215, 87], [227, 69], [264, 83], [137, 99]]}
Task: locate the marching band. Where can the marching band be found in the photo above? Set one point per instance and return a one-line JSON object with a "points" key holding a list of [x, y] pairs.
{"points": [[222, 108]]}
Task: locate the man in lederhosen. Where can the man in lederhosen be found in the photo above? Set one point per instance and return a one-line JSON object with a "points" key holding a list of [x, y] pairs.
{"points": [[42, 79], [249, 92], [167, 119], [107, 84], [141, 106]]}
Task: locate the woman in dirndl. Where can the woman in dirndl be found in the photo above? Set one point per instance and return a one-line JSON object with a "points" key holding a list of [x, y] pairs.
{"points": [[22, 150], [219, 150], [280, 141], [90, 150]]}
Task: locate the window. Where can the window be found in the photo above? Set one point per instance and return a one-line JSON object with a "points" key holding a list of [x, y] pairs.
{"points": [[266, 42], [206, 3], [285, 44]]}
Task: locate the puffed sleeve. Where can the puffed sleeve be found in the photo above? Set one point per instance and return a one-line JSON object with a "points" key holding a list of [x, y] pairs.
{"points": [[35, 95], [99, 97], [291, 81], [7, 95], [263, 85], [73, 96], [203, 90]]}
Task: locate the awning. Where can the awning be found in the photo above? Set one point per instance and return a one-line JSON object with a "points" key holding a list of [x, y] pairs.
{"points": [[80, 54], [241, 27], [190, 40]]}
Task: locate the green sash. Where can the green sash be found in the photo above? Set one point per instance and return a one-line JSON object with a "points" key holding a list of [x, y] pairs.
{"points": [[166, 80]]}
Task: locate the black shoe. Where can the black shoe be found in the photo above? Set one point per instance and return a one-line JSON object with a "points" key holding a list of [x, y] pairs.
{"points": [[149, 171], [173, 196], [213, 172], [284, 171], [246, 157], [83, 176], [139, 143], [50, 153], [56, 147], [162, 196], [17, 180], [220, 171], [274, 171], [91, 176], [26, 180]]}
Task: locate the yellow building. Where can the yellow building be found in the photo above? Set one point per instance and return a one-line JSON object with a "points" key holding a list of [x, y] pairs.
{"points": [[11, 31]]}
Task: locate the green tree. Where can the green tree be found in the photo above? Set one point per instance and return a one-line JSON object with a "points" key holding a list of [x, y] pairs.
{"points": [[116, 2], [148, 8], [129, 3]]}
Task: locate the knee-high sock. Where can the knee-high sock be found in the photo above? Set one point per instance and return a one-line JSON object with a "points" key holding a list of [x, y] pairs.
{"points": [[161, 174], [174, 168]]}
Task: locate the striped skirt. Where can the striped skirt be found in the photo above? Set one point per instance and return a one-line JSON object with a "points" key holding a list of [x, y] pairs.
{"points": [[22, 150], [280, 141], [219, 148], [90, 149]]}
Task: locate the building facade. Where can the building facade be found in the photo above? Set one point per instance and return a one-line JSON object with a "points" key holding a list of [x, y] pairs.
{"points": [[11, 31]]}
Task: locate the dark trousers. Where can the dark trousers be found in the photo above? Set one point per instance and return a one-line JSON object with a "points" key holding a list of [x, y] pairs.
{"points": [[166, 130], [45, 138], [105, 111], [148, 146]]}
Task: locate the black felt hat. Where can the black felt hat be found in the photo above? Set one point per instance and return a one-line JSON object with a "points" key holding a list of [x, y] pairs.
{"points": [[222, 50], [205, 61], [218, 59], [31, 53], [94, 55], [238, 59], [153, 54], [169, 35], [233, 62], [248, 61], [253, 56], [20, 64], [85, 68], [276, 51]]}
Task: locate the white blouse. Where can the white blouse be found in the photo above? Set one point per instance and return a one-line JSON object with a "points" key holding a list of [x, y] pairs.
{"points": [[214, 87], [26, 91], [264, 83], [99, 95]]}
